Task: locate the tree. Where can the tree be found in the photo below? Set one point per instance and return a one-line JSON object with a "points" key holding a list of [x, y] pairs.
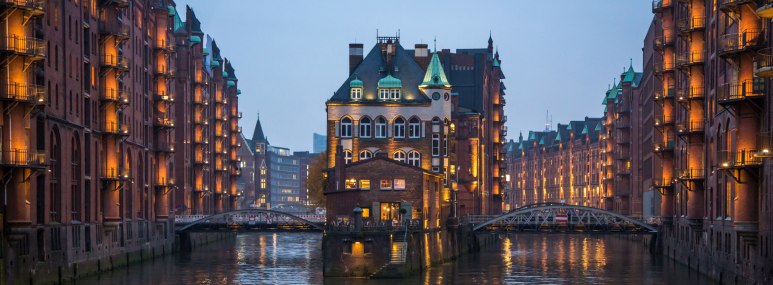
{"points": [[316, 180]]}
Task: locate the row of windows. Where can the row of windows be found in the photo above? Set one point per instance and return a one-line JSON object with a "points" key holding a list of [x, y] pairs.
{"points": [[413, 157], [383, 93], [398, 131], [385, 184]]}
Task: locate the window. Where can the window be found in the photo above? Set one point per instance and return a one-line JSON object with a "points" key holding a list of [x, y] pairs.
{"points": [[365, 184], [386, 184], [346, 127], [383, 94], [414, 128], [435, 144], [399, 131], [381, 127], [347, 156], [351, 183], [445, 145], [394, 93], [365, 154], [356, 93], [399, 184], [414, 158], [399, 156], [365, 127]]}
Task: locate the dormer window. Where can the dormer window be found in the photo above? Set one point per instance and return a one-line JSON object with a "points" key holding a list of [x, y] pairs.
{"points": [[394, 94], [383, 94], [356, 93], [389, 88]]}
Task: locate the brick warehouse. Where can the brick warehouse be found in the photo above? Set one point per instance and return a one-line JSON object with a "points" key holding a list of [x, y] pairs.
{"points": [[98, 97]]}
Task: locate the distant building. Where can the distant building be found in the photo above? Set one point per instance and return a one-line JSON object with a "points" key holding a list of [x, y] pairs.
{"points": [[245, 184], [320, 143]]}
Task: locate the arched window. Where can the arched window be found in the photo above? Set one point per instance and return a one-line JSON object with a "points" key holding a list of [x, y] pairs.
{"points": [[365, 154], [414, 158], [399, 156], [414, 128], [365, 127], [347, 156], [399, 131], [346, 127], [381, 127]]}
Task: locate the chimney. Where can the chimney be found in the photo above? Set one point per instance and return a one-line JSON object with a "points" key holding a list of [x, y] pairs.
{"points": [[355, 56], [340, 177], [421, 55]]}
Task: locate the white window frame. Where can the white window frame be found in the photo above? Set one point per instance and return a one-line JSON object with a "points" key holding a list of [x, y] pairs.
{"points": [[347, 156], [398, 184], [436, 144], [365, 127], [394, 93], [366, 154], [381, 127], [346, 127], [356, 93], [399, 128], [383, 187], [414, 158], [414, 128], [383, 94], [399, 156]]}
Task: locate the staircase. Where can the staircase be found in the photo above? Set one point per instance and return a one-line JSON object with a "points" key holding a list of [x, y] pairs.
{"points": [[399, 249]]}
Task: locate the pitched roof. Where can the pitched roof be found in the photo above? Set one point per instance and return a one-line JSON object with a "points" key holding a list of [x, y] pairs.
{"points": [[257, 134], [435, 76]]}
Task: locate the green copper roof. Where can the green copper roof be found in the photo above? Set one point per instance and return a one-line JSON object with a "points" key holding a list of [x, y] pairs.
{"points": [[215, 63], [231, 83], [435, 76], [558, 137], [584, 130], [629, 76], [195, 40], [225, 73], [356, 83], [179, 25], [206, 51], [172, 10], [542, 141], [598, 127], [532, 135], [238, 92], [390, 82], [496, 62]]}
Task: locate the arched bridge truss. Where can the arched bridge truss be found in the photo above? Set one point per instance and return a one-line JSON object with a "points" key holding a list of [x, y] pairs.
{"points": [[249, 219], [560, 217]]}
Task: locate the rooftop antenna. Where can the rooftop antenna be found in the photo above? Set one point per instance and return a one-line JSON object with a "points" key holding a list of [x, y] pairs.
{"points": [[434, 48]]}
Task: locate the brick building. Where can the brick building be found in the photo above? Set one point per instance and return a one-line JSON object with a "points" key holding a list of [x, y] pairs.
{"points": [[93, 110]]}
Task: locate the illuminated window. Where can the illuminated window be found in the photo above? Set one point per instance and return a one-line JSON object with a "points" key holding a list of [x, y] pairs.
{"points": [[414, 158], [347, 156], [365, 154], [399, 184], [346, 127], [386, 184], [263, 183], [394, 93], [366, 213], [399, 130], [414, 128], [356, 93], [399, 156], [381, 127], [383, 94], [365, 127], [365, 184], [435, 144], [351, 183]]}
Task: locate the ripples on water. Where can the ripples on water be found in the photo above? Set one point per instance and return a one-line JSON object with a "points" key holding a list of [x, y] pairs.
{"points": [[295, 258]]}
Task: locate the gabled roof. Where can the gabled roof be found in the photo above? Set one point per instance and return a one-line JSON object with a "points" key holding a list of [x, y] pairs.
{"points": [[389, 160], [435, 77], [190, 18], [257, 134], [373, 69]]}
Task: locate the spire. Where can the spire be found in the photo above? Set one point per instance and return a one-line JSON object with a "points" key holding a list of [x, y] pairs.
{"points": [[490, 47], [435, 76], [257, 134]]}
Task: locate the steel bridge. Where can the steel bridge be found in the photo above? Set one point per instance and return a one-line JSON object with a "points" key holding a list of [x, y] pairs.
{"points": [[248, 220], [560, 218]]}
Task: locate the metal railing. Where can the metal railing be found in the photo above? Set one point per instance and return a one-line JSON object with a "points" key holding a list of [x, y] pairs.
{"points": [[165, 146], [115, 61], [662, 183], [691, 174], [165, 71], [658, 5], [737, 42], [691, 58], [165, 122], [689, 24], [115, 27], [763, 63], [663, 121], [765, 144], [691, 126], [23, 157], [165, 45], [23, 45], [115, 95], [738, 159], [23, 92], [116, 128], [665, 38], [35, 5], [164, 97], [665, 146], [115, 173], [734, 92]]}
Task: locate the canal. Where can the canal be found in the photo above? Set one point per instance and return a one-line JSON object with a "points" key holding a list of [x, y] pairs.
{"points": [[294, 258]]}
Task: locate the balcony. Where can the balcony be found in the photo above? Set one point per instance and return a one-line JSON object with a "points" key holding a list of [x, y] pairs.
{"points": [[163, 97], [738, 159], [117, 3], [662, 184], [165, 147], [623, 123], [666, 38], [220, 100], [165, 46], [765, 9], [660, 5], [691, 174], [23, 46], [36, 7], [766, 145], [735, 43], [665, 94], [201, 80], [685, 61], [238, 130], [663, 67], [203, 101], [164, 123], [747, 90], [23, 158], [238, 115], [116, 28], [115, 95], [115, 173], [730, 5], [763, 63], [163, 183], [20, 92], [684, 95], [201, 140], [667, 146], [690, 127], [116, 129], [691, 24], [115, 62], [662, 121], [165, 72], [201, 160]]}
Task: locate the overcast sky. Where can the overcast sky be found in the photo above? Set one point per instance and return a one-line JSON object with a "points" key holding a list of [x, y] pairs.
{"points": [[291, 55]]}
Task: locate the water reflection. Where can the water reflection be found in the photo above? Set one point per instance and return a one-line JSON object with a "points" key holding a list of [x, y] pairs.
{"points": [[295, 258]]}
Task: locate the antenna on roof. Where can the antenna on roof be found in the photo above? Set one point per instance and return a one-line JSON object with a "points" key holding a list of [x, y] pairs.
{"points": [[434, 48]]}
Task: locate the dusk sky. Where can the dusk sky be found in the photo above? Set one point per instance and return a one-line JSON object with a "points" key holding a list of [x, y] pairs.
{"points": [[291, 55]]}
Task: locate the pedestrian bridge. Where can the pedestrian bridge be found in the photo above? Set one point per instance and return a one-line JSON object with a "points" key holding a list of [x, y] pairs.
{"points": [[249, 220], [559, 218]]}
